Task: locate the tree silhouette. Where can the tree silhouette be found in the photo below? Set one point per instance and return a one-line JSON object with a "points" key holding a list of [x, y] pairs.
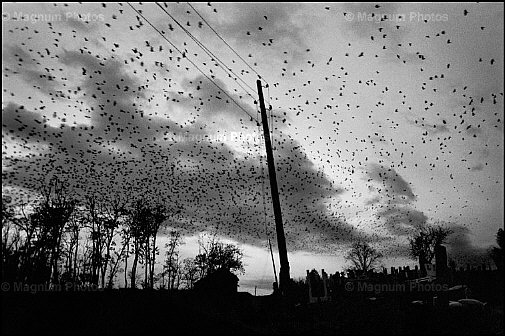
{"points": [[33, 242], [114, 213], [216, 255], [497, 252], [172, 266], [139, 231], [52, 215], [189, 272], [10, 258], [423, 243], [145, 222], [363, 257]]}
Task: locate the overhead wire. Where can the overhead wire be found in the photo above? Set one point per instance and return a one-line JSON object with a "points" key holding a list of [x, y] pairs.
{"points": [[258, 124], [226, 68], [189, 60], [229, 46]]}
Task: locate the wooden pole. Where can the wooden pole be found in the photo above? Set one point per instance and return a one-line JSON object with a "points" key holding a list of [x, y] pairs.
{"points": [[284, 277], [273, 260]]}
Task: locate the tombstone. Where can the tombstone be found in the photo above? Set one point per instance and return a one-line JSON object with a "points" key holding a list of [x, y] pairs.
{"points": [[401, 273], [325, 284], [309, 284], [336, 280], [318, 286], [416, 272], [441, 261]]}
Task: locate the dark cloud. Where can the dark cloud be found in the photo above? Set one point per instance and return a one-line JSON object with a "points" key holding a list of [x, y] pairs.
{"points": [[461, 249], [137, 131], [279, 26], [218, 187], [401, 220], [392, 248], [392, 199], [389, 183], [215, 101], [459, 246], [79, 24]]}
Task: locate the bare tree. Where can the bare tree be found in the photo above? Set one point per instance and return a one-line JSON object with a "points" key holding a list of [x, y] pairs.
{"points": [[118, 257], [126, 242], [10, 259], [363, 257], [138, 231], [114, 213], [172, 266], [145, 222], [53, 214], [159, 213], [71, 248], [423, 243], [189, 272], [95, 224]]}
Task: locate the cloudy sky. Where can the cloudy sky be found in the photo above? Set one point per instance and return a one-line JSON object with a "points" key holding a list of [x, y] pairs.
{"points": [[386, 118]]}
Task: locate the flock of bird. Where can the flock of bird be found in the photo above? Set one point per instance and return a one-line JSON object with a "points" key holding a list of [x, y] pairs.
{"points": [[110, 117]]}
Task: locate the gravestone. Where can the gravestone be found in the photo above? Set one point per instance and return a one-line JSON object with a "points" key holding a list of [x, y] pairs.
{"points": [[441, 261]]}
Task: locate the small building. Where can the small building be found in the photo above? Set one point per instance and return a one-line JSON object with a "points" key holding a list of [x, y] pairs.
{"points": [[221, 282]]}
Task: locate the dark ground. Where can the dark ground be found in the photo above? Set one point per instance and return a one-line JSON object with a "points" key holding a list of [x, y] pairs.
{"points": [[161, 312]]}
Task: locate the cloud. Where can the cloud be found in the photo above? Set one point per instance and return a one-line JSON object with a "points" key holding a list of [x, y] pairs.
{"points": [[388, 32], [390, 183], [18, 62], [392, 199], [477, 167], [461, 249], [217, 103], [430, 128], [278, 26], [79, 24], [402, 220], [278, 23], [123, 147]]}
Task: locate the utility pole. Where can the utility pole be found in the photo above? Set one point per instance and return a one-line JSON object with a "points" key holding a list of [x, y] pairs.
{"points": [[281, 239], [273, 261]]}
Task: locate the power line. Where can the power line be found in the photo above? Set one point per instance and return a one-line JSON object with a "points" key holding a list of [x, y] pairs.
{"points": [[184, 56], [229, 46], [210, 53]]}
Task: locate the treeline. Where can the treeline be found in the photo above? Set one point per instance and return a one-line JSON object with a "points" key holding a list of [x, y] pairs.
{"points": [[92, 241]]}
